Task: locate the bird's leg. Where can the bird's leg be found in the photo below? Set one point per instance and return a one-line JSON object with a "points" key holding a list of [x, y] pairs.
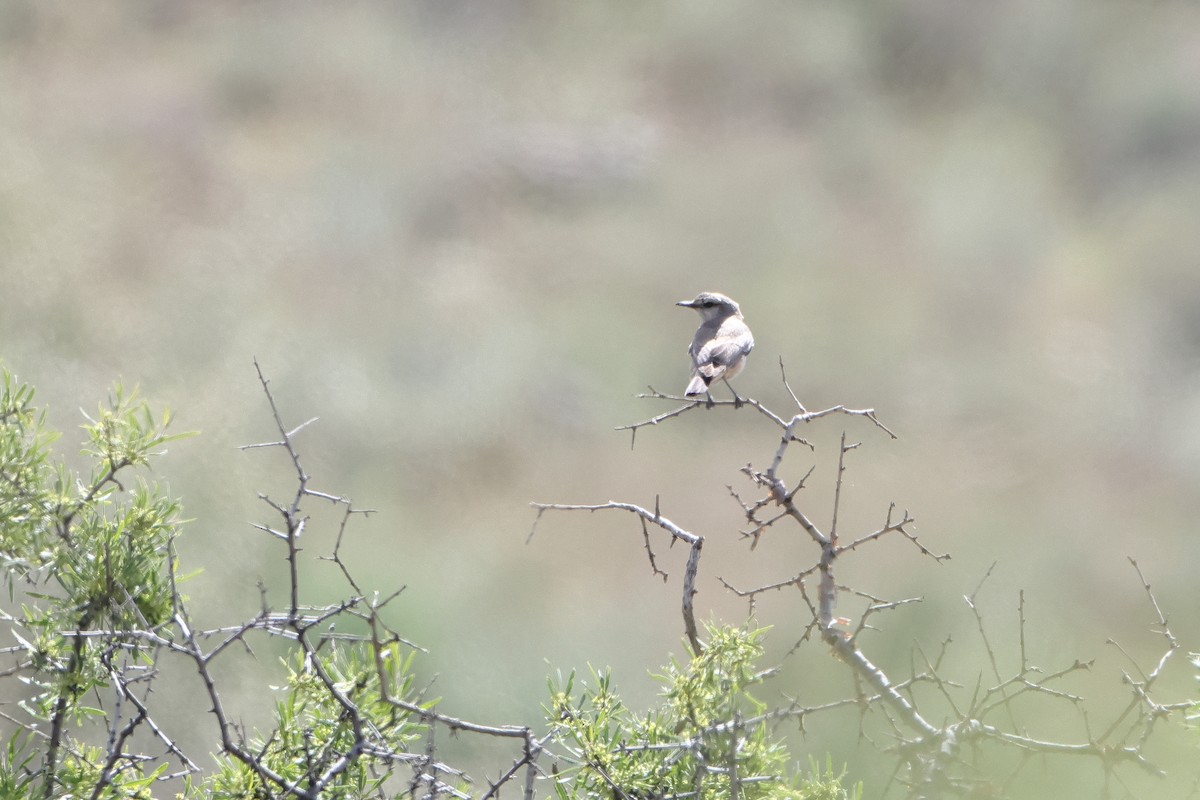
{"points": [[737, 401], [709, 402]]}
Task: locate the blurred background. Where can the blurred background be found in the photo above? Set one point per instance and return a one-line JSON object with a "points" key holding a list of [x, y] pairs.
{"points": [[454, 231]]}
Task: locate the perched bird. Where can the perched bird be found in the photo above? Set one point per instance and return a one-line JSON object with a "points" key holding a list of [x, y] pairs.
{"points": [[721, 343]]}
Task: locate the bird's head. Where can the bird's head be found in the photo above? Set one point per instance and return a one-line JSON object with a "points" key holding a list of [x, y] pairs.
{"points": [[712, 305]]}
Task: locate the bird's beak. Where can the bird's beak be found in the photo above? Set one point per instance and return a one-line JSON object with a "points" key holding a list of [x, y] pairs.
{"points": [[687, 303]]}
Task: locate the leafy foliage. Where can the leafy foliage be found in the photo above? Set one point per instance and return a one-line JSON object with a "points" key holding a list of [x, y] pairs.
{"points": [[708, 739], [94, 608], [313, 732], [91, 560]]}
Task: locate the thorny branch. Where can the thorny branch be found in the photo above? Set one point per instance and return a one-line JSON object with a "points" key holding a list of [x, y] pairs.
{"points": [[788, 425], [933, 752], [694, 542], [300, 624], [357, 684], [933, 749]]}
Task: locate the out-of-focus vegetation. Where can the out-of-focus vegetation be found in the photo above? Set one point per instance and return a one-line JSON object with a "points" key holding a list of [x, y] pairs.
{"points": [[454, 231]]}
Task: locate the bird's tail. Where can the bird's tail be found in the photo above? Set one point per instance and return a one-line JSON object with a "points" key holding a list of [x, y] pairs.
{"points": [[697, 387]]}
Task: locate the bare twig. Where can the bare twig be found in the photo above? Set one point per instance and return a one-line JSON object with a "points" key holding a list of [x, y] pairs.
{"points": [[694, 542]]}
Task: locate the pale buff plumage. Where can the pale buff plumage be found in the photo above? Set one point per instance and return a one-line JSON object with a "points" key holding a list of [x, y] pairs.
{"points": [[721, 343]]}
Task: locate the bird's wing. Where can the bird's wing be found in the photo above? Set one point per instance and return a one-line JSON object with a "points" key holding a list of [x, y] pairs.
{"points": [[719, 352]]}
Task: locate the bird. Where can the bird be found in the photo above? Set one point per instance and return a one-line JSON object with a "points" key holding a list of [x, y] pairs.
{"points": [[721, 343]]}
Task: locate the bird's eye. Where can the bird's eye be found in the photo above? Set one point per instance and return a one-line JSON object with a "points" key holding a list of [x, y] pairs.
{"points": [[708, 304]]}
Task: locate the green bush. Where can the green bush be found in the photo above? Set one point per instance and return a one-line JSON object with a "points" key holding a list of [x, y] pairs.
{"points": [[709, 739], [95, 606]]}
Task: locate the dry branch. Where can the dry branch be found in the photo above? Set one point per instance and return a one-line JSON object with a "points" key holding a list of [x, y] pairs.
{"points": [[694, 543], [935, 753]]}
